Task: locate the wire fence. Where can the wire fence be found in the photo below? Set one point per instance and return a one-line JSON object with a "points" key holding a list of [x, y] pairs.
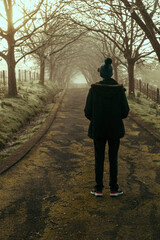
{"points": [[21, 76], [148, 90]]}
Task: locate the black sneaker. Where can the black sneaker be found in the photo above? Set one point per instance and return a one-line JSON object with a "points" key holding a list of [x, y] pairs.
{"points": [[97, 193], [116, 193]]}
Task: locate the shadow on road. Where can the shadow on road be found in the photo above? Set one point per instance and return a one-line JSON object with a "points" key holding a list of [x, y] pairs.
{"points": [[47, 196]]}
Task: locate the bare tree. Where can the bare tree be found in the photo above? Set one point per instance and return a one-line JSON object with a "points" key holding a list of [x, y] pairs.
{"points": [[16, 37], [56, 36], [143, 12], [119, 28], [82, 56]]}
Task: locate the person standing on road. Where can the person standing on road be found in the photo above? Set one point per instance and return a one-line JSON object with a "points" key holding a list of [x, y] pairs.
{"points": [[106, 106]]}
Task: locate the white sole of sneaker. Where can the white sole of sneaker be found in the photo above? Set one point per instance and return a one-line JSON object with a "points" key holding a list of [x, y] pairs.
{"points": [[96, 194], [116, 194]]}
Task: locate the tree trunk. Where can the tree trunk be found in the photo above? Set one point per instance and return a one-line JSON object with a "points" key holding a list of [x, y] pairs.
{"points": [[51, 67], [42, 70], [115, 67], [131, 63], [12, 86]]}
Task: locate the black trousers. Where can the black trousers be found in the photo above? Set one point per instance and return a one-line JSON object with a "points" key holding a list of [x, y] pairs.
{"points": [[99, 147]]}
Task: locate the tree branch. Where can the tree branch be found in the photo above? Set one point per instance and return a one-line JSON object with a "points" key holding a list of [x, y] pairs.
{"points": [[148, 31], [30, 52], [30, 16], [3, 56], [154, 8], [2, 34], [67, 43]]}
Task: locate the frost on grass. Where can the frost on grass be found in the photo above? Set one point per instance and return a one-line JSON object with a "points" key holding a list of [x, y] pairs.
{"points": [[15, 113], [145, 108]]}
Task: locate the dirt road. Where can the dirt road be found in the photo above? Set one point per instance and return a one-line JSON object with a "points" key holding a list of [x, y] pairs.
{"points": [[47, 196]]}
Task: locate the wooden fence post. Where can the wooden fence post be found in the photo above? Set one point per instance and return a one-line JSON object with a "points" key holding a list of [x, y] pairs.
{"points": [[158, 99], [25, 75], [19, 75], [155, 95], [140, 85], [30, 78], [147, 89], [152, 93], [4, 78]]}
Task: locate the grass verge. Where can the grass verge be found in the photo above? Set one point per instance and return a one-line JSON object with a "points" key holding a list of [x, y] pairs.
{"points": [[22, 116], [146, 109]]}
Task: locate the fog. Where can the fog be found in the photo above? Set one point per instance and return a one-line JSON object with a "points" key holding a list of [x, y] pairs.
{"points": [[78, 80], [68, 40], [150, 74]]}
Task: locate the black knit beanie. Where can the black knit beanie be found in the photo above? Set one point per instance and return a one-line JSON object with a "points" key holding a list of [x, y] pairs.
{"points": [[106, 70]]}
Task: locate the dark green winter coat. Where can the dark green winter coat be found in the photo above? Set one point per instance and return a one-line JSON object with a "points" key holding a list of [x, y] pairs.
{"points": [[106, 106]]}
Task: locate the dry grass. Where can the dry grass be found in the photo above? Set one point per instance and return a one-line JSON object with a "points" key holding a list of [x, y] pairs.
{"points": [[145, 108], [16, 113]]}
